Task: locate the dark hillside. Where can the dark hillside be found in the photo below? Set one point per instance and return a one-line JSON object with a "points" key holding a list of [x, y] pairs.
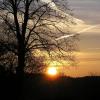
{"points": [[40, 87]]}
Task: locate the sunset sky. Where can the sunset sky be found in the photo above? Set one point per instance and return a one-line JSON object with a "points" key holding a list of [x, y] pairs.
{"points": [[89, 57], [87, 18], [86, 15]]}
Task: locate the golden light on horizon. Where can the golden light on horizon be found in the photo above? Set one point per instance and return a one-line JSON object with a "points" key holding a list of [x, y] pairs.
{"points": [[52, 71], [55, 68]]}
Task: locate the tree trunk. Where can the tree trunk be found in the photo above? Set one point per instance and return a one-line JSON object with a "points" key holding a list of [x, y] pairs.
{"points": [[20, 70]]}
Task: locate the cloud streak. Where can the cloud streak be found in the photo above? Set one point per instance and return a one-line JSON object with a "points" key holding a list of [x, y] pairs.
{"points": [[89, 28], [94, 48], [71, 35], [66, 36]]}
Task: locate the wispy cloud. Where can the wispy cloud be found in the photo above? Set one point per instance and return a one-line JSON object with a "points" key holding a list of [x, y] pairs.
{"points": [[84, 30], [94, 48], [89, 28], [66, 36]]}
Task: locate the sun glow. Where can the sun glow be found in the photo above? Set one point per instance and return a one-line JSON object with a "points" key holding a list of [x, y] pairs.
{"points": [[52, 71], [54, 68]]}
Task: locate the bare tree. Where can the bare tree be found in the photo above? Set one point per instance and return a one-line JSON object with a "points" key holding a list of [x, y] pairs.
{"points": [[29, 25]]}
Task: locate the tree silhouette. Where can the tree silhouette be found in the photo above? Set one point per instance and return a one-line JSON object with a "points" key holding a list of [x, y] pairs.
{"points": [[29, 25]]}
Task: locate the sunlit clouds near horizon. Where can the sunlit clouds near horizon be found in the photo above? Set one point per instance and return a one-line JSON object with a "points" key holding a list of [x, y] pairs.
{"points": [[87, 19]]}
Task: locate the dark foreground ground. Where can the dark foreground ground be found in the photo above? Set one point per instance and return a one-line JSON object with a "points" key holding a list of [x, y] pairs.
{"points": [[40, 87]]}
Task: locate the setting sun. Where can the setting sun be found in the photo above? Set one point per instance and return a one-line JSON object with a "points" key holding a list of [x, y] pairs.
{"points": [[52, 71]]}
